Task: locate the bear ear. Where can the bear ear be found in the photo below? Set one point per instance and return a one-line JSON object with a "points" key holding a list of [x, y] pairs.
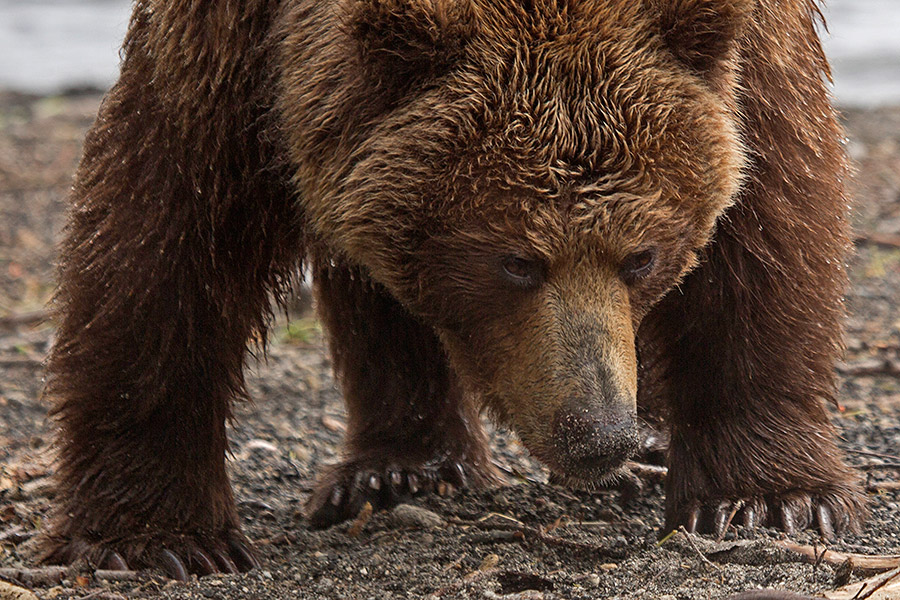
{"points": [[403, 40], [701, 33]]}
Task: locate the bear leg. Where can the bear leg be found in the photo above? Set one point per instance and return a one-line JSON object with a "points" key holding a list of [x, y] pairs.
{"points": [[746, 346], [744, 351], [411, 429], [180, 231]]}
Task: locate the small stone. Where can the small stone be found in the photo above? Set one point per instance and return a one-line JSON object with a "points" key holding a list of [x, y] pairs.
{"points": [[261, 445], [609, 567], [332, 424], [407, 515], [300, 453], [591, 580], [12, 592], [490, 561]]}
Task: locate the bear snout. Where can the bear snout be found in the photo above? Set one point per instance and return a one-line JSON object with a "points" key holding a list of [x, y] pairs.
{"points": [[590, 441]]}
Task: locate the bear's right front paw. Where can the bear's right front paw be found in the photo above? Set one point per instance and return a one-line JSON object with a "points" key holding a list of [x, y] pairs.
{"points": [[177, 555]]}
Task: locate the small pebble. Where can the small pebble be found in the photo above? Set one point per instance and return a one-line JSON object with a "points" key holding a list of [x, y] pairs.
{"points": [[524, 595], [262, 445], [490, 561], [12, 592], [407, 515]]}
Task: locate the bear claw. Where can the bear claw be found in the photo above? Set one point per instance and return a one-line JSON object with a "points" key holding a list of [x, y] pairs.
{"points": [[342, 493], [788, 514], [178, 555], [173, 566], [115, 562], [236, 559]]}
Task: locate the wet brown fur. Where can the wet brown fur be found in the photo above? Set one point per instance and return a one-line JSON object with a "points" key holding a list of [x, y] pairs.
{"points": [[402, 148]]}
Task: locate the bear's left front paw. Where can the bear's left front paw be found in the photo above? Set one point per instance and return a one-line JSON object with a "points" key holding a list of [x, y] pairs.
{"points": [[830, 513]]}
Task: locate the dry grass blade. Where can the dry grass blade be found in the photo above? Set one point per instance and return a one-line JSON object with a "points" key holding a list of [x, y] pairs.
{"points": [[860, 563], [881, 587]]}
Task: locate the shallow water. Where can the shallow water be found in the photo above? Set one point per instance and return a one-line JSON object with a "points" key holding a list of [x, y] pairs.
{"points": [[864, 47], [47, 45]]}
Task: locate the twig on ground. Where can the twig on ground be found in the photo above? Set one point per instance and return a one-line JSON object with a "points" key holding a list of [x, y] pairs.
{"points": [[878, 467], [457, 564], [515, 473], [44, 576], [884, 486], [880, 239], [15, 361], [883, 581], [885, 587], [25, 318], [102, 595], [861, 563], [882, 367], [645, 471], [873, 454], [690, 539], [533, 533]]}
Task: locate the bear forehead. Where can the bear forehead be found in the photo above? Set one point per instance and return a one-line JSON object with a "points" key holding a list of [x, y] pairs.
{"points": [[551, 19], [575, 96], [565, 113], [549, 131]]}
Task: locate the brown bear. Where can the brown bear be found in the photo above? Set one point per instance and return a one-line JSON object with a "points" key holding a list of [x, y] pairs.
{"points": [[556, 211]]}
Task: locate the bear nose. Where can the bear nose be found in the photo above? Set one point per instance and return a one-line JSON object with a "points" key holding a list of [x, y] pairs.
{"points": [[590, 441]]}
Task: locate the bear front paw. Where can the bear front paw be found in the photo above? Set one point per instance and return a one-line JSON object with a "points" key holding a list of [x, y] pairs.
{"points": [[176, 555], [831, 514], [344, 489]]}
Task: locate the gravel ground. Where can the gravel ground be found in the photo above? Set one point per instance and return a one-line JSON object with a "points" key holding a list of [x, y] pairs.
{"points": [[528, 540]]}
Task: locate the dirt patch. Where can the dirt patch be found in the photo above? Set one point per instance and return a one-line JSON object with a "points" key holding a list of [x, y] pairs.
{"points": [[527, 540]]}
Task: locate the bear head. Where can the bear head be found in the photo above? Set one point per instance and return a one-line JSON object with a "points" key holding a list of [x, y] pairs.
{"points": [[527, 178]]}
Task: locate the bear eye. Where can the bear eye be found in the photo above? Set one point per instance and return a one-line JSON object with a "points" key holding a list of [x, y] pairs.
{"points": [[523, 272], [638, 265]]}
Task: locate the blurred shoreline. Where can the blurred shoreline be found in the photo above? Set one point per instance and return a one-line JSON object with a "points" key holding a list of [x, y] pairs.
{"points": [[16, 96], [49, 46]]}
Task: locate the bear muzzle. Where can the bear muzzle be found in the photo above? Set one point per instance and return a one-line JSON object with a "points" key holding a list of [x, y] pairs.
{"points": [[590, 441]]}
